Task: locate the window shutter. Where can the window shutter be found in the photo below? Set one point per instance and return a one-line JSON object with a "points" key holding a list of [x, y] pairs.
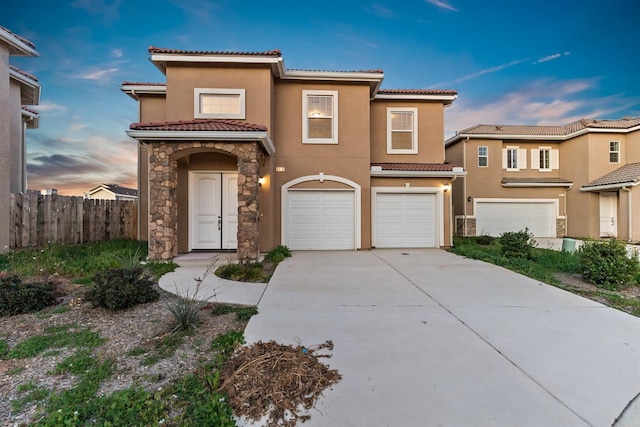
{"points": [[555, 158], [522, 158], [504, 158], [535, 158]]}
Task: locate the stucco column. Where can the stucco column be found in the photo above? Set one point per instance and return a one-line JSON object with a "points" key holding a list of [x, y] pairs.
{"points": [[5, 150], [248, 211], [163, 216]]}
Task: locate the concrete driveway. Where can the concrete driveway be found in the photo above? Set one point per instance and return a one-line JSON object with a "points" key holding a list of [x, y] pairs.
{"points": [[427, 338]]}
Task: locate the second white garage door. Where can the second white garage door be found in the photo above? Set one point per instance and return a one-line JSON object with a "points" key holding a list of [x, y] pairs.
{"points": [[407, 220], [322, 219], [495, 218]]}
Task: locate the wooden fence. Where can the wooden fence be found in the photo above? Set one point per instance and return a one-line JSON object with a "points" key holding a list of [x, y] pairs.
{"points": [[37, 220]]}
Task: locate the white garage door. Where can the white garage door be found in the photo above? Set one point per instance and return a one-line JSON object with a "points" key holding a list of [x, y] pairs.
{"points": [[406, 220], [495, 218], [322, 219]]}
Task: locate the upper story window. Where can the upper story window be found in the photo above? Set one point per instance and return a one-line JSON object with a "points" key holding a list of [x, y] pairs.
{"points": [[320, 117], [614, 152], [402, 130], [219, 103], [483, 156], [545, 159], [514, 158]]}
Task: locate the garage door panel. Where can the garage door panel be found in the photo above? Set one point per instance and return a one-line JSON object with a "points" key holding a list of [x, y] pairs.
{"points": [[495, 218], [322, 219], [406, 220]]}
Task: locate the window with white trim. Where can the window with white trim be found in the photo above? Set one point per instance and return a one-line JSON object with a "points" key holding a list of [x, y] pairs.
{"points": [[320, 117], [545, 159], [514, 158], [614, 151], [402, 131], [219, 103], [483, 156]]}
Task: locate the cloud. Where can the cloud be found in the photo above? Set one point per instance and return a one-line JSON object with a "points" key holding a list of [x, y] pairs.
{"points": [[116, 53], [49, 106], [380, 11], [543, 101], [100, 75], [490, 70], [74, 127], [442, 5], [551, 57]]}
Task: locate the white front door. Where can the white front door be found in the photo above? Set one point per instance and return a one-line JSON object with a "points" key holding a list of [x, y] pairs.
{"points": [[608, 214], [213, 207]]}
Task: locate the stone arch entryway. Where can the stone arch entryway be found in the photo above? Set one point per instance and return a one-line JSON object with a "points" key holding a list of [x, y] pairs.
{"points": [[163, 197]]}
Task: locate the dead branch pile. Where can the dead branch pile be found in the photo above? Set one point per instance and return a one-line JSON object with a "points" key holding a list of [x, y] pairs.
{"points": [[277, 380]]}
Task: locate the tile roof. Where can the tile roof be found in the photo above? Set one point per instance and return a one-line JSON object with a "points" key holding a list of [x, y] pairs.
{"points": [[627, 174], [418, 167], [376, 71], [417, 92], [29, 110], [24, 73], [553, 130], [22, 39], [210, 125], [274, 52], [538, 181], [126, 83]]}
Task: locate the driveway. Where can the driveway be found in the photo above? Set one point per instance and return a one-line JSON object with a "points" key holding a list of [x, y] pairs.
{"points": [[427, 338]]}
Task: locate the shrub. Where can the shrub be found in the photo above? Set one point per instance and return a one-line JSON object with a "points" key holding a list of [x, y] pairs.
{"points": [[17, 297], [121, 288], [484, 239], [247, 272], [608, 264], [278, 254], [518, 244]]}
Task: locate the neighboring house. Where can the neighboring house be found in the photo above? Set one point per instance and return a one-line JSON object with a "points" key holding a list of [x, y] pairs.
{"points": [[17, 90], [238, 152], [112, 192], [574, 180]]}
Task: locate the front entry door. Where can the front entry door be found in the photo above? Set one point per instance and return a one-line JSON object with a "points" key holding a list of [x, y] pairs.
{"points": [[213, 207], [608, 214]]}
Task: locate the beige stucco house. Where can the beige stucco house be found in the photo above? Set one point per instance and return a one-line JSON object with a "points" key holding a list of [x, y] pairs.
{"points": [[112, 192], [238, 152], [18, 91], [575, 180]]}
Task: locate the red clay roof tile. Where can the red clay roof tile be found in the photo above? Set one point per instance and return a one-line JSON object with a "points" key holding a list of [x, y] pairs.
{"points": [[552, 130], [274, 52], [22, 39], [627, 174], [207, 125], [535, 181], [30, 110], [24, 73], [126, 83], [418, 167], [417, 92]]}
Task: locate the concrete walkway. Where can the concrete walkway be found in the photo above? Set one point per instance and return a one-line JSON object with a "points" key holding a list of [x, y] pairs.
{"points": [[427, 338]]}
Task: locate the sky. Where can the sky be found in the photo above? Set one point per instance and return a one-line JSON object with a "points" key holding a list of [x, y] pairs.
{"points": [[512, 62]]}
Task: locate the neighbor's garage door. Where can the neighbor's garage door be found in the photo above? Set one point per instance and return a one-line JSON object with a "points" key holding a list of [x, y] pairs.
{"points": [[495, 218], [320, 219], [406, 220]]}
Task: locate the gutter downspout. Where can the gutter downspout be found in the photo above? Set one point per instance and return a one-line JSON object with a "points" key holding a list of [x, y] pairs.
{"points": [[464, 188], [452, 219], [566, 215], [629, 213]]}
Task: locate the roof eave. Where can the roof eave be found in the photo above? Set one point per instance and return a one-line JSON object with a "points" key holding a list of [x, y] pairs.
{"points": [[18, 47], [171, 135], [409, 174], [616, 186], [32, 119], [446, 99], [160, 60], [537, 184], [31, 88], [133, 90], [374, 79]]}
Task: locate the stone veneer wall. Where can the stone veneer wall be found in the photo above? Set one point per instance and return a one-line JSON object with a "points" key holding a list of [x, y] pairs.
{"points": [[561, 227], [163, 209], [471, 226]]}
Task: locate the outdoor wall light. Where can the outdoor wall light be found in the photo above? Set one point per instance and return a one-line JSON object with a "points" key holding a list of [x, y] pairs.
{"points": [[261, 180], [469, 199], [446, 187]]}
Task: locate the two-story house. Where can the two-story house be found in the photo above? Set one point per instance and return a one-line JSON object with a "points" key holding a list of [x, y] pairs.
{"points": [[18, 91], [577, 179], [112, 192], [238, 152]]}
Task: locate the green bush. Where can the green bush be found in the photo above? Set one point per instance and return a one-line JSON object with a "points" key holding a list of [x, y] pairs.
{"points": [[484, 239], [17, 297], [608, 264], [519, 244], [121, 288], [278, 254]]}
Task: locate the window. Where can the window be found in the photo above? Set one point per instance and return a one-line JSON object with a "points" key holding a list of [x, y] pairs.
{"points": [[614, 152], [219, 103], [320, 117], [512, 158], [483, 156], [402, 130], [545, 158]]}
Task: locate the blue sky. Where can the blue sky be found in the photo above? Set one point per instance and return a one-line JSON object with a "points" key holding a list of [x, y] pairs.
{"points": [[516, 62]]}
